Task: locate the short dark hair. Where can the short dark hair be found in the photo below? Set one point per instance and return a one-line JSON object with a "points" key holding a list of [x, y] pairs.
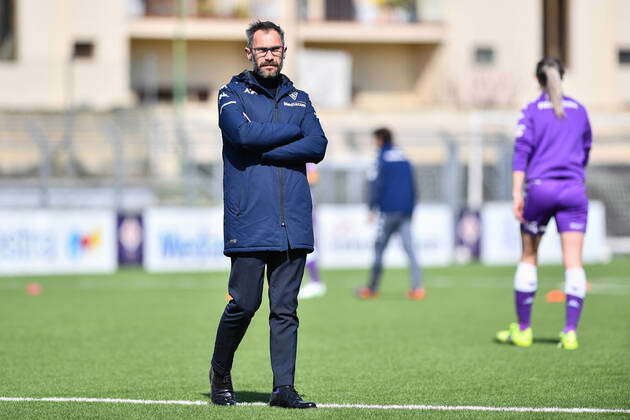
{"points": [[548, 62], [262, 26], [383, 134]]}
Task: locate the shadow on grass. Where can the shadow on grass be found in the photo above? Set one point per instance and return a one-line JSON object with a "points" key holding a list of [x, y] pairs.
{"points": [[247, 396], [542, 340], [547, 340]]}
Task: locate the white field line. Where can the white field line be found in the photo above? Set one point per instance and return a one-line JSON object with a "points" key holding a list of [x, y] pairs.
{"points": [[358, 406]]}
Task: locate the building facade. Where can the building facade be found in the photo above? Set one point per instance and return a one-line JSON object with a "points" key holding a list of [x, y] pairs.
{"points": [[398, 54]]}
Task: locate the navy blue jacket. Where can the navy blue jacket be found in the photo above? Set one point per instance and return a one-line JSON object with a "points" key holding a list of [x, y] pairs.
{"points": [[267, 142], [392, 185]]}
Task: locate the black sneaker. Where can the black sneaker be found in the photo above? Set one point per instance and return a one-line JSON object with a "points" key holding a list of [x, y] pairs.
{"points": [[221, 389], [287, 397]]}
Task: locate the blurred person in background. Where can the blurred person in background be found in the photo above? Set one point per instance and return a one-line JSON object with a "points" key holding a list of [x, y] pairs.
{"points": [[391, 198], [553, 142], [270, 131], [315, 287]]}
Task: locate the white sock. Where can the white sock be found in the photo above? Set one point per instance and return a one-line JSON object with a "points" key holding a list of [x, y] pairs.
{"points": [[575, 282], [526, 277]]}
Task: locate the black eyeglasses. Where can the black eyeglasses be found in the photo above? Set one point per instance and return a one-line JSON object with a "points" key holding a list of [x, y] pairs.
{"points": [[262, 51]]}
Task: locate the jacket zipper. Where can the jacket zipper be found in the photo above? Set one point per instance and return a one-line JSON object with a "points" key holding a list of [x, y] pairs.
{"points": [[281, 178], [281, 181]]}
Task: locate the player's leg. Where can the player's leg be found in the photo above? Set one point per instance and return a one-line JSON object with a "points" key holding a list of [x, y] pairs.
{"points": [[387, 224], [313, 270], [245, 295], [525, 286], [526, 279], [285, 271], [571, 221], [416, 291], [538, 210], [315, 287]]}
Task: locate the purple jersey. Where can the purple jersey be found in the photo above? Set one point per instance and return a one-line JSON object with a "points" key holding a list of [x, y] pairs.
{"points": [[551, 148]]}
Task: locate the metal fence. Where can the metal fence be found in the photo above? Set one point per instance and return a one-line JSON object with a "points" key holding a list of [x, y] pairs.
{"points": [[137, 158]]}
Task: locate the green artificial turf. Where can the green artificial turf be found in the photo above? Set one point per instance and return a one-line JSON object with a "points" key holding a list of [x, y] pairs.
{"points": [[148, 336]]}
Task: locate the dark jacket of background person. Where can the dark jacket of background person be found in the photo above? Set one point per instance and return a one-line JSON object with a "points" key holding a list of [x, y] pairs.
{"points": [[392, 185], [267, 141]]}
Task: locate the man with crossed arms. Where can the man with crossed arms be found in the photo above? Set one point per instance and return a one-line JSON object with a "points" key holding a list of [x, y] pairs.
{"points": [[270, 132]]}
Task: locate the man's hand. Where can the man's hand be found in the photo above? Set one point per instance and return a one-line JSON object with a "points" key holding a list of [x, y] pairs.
{"points": [[518, 204]]}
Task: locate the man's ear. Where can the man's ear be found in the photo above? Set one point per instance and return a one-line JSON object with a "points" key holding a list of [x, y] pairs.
{"points": [[284, 52], [248, 54]]}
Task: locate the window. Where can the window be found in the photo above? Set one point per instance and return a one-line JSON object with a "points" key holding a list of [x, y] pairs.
{"points": [[624, 56], [340, 10], [484, 56], [83, 49], [7, 30], [555, 29]]}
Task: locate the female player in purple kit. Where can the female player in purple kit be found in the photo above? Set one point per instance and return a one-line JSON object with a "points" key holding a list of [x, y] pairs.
{"points": [[553, 142]]}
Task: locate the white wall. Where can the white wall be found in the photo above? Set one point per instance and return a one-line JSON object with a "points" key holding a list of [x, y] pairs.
{"points": [[42, 78], [512, 28]]}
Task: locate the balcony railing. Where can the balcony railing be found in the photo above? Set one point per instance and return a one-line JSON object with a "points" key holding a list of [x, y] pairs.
{"points": [[359, 11]]}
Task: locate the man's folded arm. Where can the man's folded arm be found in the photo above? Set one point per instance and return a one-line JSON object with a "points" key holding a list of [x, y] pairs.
{"points": [[310, 148], [307, 149], [251, 135]]}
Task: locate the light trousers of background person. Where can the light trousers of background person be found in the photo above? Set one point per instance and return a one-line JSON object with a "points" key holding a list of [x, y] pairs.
{"points": [[389, 223], [284, 275]]}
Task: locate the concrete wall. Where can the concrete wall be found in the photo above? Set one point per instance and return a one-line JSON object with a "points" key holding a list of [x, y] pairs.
{"points": [[209, 64], [592, 63], [386, 75], [44, 77], [512, 28], [622, 40]]}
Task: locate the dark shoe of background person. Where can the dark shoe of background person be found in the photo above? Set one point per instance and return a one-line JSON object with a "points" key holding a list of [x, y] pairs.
{"points": [[221, 389], [287, 397]]}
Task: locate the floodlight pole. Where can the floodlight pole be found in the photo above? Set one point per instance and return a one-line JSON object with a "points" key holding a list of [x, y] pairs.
{"points": [[292, 39], [180, 89]]}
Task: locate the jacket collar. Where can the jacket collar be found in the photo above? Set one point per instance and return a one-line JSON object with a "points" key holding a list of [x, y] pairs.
{"points": [[284, 88], [386, 147]]}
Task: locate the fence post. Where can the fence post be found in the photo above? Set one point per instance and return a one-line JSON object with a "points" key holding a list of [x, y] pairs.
{"points": [[116, 139], [45, 166], [451, 179]]}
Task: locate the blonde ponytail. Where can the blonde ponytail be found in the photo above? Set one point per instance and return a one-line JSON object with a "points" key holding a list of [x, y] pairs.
{"points": [[554, 89]]}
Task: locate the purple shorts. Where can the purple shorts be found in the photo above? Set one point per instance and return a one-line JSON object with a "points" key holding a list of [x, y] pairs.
{"points": [[564, 199]]}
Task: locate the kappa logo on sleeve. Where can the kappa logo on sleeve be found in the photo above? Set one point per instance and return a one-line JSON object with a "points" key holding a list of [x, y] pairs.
{"points": [[223, 95]]}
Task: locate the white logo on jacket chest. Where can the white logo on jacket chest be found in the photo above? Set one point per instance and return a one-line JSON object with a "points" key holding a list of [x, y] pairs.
{"points": [[251, 92], [301, 104], [293, 95]]}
